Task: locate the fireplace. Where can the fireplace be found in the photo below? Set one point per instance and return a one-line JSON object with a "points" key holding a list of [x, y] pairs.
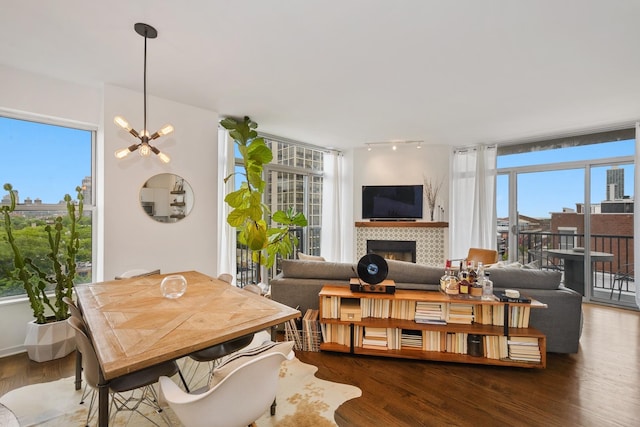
{"points": [[401, 250]]}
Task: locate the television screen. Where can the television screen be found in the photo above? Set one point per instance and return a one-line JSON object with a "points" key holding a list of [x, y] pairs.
{"points": [[392, 201]]}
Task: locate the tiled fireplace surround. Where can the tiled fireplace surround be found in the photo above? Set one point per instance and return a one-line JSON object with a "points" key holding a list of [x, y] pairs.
{"points": [[430, 238]]}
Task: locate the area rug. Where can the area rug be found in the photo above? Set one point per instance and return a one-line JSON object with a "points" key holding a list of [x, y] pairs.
{"points": [[302, 400]]}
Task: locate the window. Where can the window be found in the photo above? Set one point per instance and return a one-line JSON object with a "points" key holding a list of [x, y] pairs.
{"points": [[571, 194], [294, 179], [43, 162]]}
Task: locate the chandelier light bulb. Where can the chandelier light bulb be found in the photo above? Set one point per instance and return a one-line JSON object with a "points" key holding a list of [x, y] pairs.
{"points": [[164, 158], [144, 150], [121, 122], [122, 153], [166, 130]]}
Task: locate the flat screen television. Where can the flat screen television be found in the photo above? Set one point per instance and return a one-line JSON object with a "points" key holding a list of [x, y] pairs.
{"points": [[392, 202]]}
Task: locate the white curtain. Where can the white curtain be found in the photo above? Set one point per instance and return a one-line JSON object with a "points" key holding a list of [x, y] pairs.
{"points": [[636, 204], [473, 200], [333, 212], [226, 262]]}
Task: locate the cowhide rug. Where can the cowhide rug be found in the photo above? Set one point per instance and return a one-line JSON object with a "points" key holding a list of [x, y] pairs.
{"points": [[302, 400]]}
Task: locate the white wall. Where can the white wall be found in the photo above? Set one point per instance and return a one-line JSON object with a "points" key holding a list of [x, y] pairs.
{"points": [[404, 166], [131, 239]]}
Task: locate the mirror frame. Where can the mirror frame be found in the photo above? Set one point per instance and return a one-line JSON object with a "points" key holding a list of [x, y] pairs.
{"points": [[166, 198]]}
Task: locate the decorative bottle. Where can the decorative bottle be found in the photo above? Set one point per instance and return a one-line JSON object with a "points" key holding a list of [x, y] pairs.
{"points": [[445, 278], [487, 287], [471, 272], [464, 284]]}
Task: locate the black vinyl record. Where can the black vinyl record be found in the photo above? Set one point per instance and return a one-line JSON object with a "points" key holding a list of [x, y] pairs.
{"points": [[372, 269]]}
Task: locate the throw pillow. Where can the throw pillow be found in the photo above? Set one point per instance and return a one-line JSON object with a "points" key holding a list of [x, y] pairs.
{"points": [[524, 278], [244, 356], [306, 257]]}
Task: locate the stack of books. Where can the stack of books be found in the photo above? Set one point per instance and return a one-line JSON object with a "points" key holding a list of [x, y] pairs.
{"points": [[431, 312], [411, 339], [375, 338], [460, 313], [524, 349]]}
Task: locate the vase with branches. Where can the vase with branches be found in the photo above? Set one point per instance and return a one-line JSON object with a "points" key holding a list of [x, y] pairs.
{"points": [[431, 190]]}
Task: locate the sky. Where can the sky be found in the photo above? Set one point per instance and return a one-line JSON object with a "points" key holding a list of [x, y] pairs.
{"points": [[48, 162], [543, 192], [43, 162]]}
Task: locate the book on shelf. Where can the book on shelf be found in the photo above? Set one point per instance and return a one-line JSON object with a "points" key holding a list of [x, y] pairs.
{"points": [[431, 312], [524, 349], [411, 338], [504, 298], [460, 313], [311, 331], [431, 341], [375, 338]]}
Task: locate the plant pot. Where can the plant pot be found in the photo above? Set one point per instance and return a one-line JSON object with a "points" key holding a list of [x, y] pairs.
{"points": [[49, 341]]}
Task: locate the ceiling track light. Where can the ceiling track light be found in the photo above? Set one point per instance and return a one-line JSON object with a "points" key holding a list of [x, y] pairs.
{"points": [[394, 144], [143, 147]]}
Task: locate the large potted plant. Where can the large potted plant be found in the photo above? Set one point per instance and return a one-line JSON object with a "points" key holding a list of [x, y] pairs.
{"points": [[249, 215], [47, 337]]}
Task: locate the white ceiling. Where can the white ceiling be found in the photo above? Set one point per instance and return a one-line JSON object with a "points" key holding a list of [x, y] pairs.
{"points": [[340, 73]]}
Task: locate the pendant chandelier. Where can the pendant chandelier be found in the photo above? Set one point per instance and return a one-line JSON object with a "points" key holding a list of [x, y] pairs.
{"points": [[143, 147]]}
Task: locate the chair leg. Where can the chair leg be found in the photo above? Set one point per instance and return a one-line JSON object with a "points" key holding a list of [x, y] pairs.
{"points": [[273, 407], [78, 382], [184, 382]]}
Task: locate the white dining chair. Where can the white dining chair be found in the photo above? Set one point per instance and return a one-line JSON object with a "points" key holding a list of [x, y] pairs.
{"points": [[253, 383], [142, 379]]}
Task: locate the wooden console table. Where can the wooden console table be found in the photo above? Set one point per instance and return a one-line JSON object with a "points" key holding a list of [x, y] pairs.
{"points": [[503, 327]]}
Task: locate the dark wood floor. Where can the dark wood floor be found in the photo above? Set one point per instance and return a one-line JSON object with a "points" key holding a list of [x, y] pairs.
{"points": [[598, 386]]}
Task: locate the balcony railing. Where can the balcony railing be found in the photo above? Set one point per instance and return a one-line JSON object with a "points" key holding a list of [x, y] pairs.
{"points": [[246, 269], [610, 278]]}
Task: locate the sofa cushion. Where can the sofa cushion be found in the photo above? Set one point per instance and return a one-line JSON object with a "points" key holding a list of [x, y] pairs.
{"points": [[409, 272], [317, 269], [525, 278], [306, 257]]}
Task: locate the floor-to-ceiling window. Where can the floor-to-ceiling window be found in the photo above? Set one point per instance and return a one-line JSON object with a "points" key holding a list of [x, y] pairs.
{"points": [[294, 180], [43, 161], [567, 204]]}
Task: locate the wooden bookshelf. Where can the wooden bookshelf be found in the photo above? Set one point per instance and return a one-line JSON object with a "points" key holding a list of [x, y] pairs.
{"points": [[507, 340]]}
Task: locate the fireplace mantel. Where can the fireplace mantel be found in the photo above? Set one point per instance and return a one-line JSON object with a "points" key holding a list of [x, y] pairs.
{"points": [[430, 238], [402, 224]]}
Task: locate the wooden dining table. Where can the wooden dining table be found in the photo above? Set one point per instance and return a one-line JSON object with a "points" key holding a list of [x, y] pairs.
{"points": [[133, 326]]}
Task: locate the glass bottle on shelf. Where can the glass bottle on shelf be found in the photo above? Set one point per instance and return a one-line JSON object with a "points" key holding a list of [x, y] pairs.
{"points": [[476, 284], [445, 278], [487, 287], [452, 286], [471, 272], [464, 284]]}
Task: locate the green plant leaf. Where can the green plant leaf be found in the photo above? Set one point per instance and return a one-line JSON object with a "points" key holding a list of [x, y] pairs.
{"points": [[236, 198]]}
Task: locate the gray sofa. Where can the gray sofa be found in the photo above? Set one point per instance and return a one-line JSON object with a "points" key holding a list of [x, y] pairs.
{"points": [[299, 283]]}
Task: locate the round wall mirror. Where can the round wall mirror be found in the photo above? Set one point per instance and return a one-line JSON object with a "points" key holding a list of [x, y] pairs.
{"points": [[166, 197]]}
